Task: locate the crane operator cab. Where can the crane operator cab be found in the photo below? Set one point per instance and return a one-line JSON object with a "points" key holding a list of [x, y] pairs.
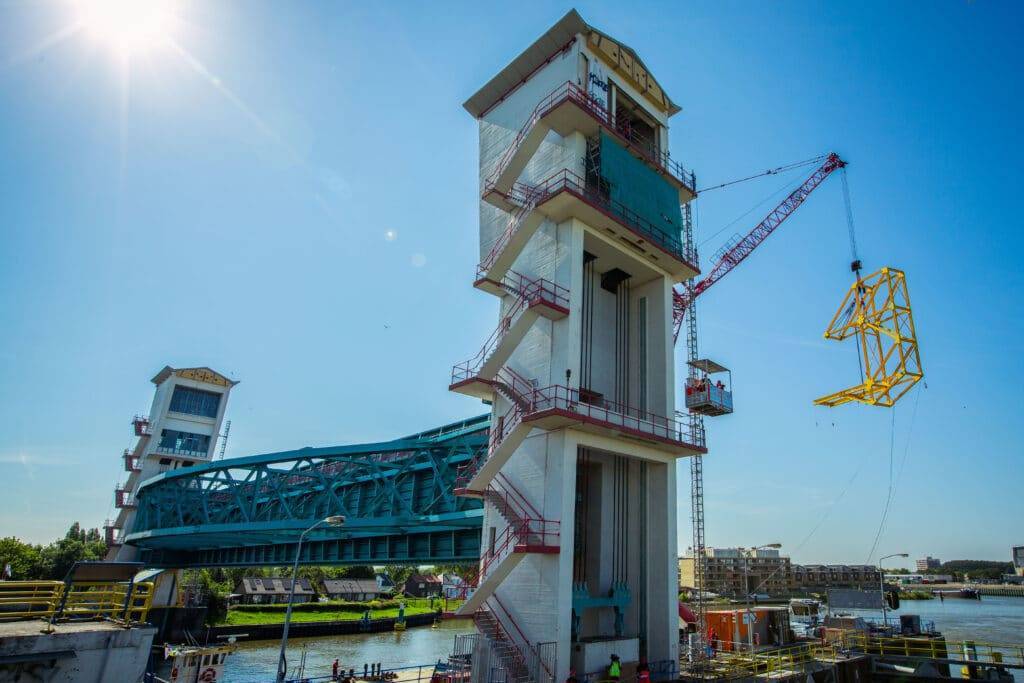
{"points": [[709, 389]]}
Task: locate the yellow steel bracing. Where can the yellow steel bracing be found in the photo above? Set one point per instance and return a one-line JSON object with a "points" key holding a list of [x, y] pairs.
{"points": [[877, 311]]}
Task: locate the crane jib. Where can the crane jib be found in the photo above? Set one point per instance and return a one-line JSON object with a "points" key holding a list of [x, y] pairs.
{"points": [[760, 232]]}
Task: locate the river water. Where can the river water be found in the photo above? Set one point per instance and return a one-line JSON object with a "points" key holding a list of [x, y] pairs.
{"points": [[257, 661], [993, 620]]}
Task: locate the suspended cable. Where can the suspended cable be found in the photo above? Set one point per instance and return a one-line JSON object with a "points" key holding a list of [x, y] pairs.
{"points": [[888, 497], [788, 185], [770, 171]]}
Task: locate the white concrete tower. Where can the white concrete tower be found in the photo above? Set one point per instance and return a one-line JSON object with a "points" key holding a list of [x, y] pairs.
{"points": [[581, 239], [181, 430]]}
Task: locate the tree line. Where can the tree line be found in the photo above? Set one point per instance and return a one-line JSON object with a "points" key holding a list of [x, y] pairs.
{"points": [[30, 562]]}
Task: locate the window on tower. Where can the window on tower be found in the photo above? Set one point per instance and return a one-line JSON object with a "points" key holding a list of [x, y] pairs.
{"points": [[183, 442], [195, 401]]}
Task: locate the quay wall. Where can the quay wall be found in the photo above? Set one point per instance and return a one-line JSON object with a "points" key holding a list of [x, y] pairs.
{"points": [[248, 632]]}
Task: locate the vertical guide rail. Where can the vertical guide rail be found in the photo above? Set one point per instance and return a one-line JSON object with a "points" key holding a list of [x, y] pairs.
{"points": [[696, 462]]}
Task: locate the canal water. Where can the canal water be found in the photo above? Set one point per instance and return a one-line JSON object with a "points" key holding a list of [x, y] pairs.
{"points": [[992, 619], [989, 620], [257, 661]]}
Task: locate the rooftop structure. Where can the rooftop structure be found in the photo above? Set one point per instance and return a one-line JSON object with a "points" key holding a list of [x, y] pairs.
{"points": [[582, 238]]}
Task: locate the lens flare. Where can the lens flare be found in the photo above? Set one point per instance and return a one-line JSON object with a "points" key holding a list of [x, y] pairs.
{"points": [[126, 25]]}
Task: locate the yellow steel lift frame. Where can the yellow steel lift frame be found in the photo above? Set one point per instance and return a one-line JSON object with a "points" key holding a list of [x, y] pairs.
{"points": [[877, 311]]}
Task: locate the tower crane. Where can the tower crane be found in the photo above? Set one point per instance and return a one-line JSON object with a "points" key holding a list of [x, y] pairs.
{"points": [[683, 309]]}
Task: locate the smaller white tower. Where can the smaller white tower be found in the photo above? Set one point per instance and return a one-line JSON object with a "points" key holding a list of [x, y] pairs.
{"points": [[181, 430]]}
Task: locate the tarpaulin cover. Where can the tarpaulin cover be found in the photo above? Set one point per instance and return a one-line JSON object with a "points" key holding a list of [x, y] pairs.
{"points": [[640, 188]]}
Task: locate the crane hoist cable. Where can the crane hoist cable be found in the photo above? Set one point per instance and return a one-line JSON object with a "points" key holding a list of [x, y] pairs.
{"points": [[770, 171]]}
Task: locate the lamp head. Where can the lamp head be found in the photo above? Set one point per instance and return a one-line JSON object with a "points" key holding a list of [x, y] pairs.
{"points": [[334, 520]]}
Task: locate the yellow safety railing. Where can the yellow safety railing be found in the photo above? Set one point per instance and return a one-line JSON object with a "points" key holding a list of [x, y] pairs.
{"points": [[742, 663], [79, 601], [29, 599], [935, 648]]}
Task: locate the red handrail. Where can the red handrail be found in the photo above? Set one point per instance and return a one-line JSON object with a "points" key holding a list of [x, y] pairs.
{"points": [[529, 196], [528, 292], [595, 108]]}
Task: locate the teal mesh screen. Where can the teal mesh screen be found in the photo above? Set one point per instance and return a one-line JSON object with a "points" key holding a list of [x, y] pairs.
{"points": [[641, 189]]}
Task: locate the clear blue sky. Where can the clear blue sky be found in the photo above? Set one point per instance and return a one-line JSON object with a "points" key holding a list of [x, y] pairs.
{"points": [[228, 204]]}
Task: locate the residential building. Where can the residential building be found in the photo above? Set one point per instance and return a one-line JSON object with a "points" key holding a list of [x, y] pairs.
{"points": [[742, 571], [739, 571], [355, 590], [270, 590], [927, 564], [820, 576], [1018, 559], [422, 586]]}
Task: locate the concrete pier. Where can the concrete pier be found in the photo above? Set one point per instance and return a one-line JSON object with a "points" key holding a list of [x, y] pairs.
{"points": [[78, 652]]}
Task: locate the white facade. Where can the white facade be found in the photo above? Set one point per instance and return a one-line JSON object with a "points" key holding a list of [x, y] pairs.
{"points": [[181, 429], [586, 393]]}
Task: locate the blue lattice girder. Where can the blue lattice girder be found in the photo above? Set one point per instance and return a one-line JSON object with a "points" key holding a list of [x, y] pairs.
{"points": [[397, 497]]}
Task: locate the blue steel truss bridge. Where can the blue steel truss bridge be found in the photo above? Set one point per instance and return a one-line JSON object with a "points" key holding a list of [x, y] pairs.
{"points": [[397, 497]]}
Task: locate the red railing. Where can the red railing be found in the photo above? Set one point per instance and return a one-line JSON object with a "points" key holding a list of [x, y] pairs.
{"points": [[131, 462], [569, 91], [528, 293], [142, 426], [123, 498], [528, 202], [529, 196], [616, 415]]}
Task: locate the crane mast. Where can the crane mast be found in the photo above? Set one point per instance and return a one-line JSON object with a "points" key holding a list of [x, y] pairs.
{"points": [[684, 308]]}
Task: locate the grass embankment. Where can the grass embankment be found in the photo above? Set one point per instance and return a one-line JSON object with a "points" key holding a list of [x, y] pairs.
{"points": [[916, 595], [245, 615]]}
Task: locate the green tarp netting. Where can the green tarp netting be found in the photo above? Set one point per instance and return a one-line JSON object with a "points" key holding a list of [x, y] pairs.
{"points": [[638, 187]]}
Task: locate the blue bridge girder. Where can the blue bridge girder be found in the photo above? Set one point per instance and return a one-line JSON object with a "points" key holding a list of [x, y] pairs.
{"points": [[397, 497]]}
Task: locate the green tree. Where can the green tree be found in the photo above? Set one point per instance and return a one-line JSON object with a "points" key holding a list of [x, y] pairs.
{"points": [[398, 573], [25, 559], [362, 571], [466, 572]]}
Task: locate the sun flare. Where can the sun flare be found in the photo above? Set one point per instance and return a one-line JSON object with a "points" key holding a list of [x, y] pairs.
{"points": [[127, 25]]}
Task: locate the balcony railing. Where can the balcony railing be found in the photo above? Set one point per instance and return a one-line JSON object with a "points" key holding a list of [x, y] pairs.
{"points": [[569, 91], [142, 426], [565, 180], [682, 430]]}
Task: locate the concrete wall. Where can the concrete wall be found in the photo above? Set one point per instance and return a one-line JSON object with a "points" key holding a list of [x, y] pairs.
{"points": [[101, 652]]}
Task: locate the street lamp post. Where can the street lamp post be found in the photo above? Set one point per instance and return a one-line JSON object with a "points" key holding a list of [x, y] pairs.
{"points": [[881, 582], [282, 662], [747, 614]]}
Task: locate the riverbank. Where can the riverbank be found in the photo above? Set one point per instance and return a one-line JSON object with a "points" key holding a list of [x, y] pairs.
{"points": [[236, 617], [309, 629]]}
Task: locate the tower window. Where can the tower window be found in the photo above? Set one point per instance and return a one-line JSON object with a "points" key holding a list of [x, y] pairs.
{"points": [[195, 401], [187, 442]]}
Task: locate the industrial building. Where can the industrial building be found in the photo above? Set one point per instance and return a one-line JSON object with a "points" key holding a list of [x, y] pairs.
{"points": [[181, 429], [582, 238]]}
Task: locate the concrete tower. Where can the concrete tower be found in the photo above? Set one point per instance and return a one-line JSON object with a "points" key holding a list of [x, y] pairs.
{"points": [[581, 240], [181, 430]]}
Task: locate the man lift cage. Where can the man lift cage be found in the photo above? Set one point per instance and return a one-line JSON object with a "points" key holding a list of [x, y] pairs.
{"points": [[707, 393]]}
